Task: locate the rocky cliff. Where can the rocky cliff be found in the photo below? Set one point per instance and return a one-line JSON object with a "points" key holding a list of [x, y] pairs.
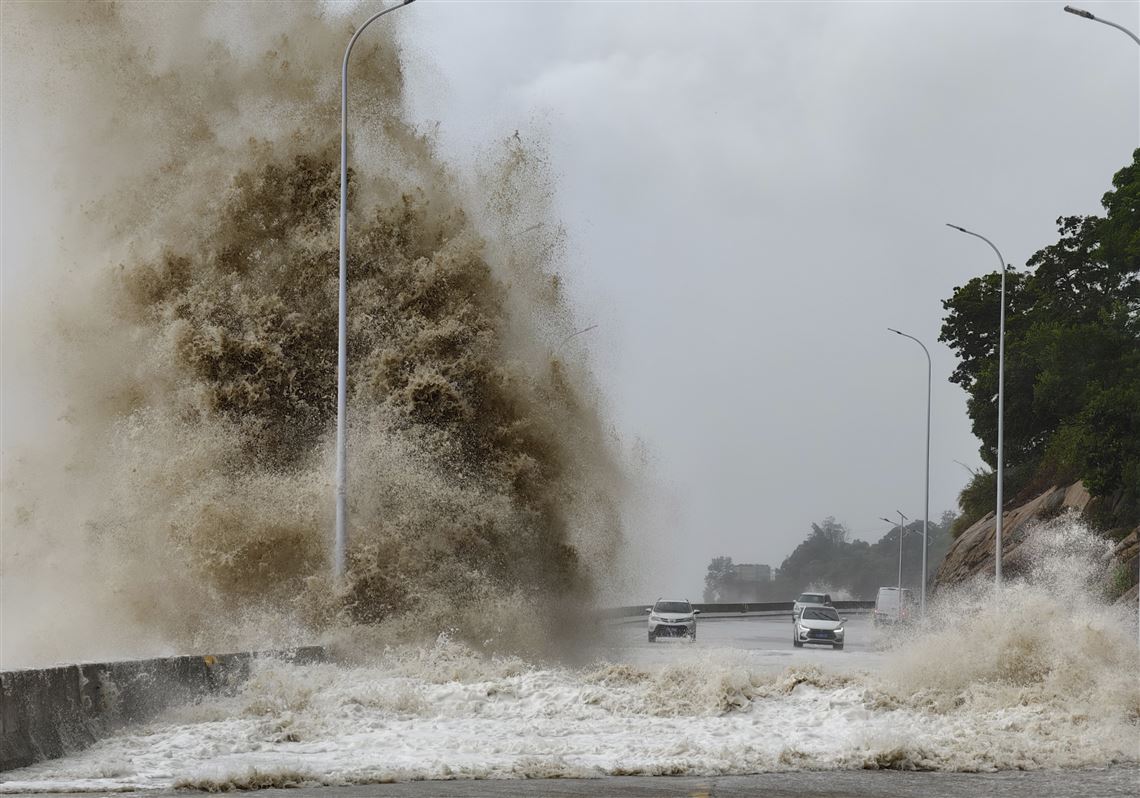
{"points": [[973, 551]]}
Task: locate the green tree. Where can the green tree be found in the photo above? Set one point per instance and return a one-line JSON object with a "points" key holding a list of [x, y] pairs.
{"points": [[828, 559], [1072, 381], [717, 579]]}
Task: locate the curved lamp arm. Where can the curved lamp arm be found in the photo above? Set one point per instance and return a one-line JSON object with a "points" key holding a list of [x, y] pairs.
{"points": [[1080, 12], [977, 235]]}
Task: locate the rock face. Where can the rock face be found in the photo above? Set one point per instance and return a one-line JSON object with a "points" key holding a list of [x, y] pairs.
{"points": [[1128, 553], [973, 551]]}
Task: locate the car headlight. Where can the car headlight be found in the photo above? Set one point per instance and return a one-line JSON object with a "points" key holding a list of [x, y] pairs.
{"points": [[655, 619], [839, 631]]}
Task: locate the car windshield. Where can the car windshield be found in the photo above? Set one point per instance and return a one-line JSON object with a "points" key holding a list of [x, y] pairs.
{"points": [[811, 598], [677, 607], [820, 614]]}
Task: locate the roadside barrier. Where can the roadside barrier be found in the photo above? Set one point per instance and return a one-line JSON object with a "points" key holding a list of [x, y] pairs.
{"points": [[755, 609], [48, 712]]}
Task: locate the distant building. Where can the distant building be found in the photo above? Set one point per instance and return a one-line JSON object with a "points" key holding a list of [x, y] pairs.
{"points": [[751, 572], [747, 582]]}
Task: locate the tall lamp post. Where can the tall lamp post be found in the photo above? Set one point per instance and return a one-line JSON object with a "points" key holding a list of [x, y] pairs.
{"points": [[1088, 15], [926, 505], [1001, 403], [340, 547], [902, 532]]}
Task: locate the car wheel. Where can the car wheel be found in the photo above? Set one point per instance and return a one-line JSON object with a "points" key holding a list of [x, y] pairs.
{"points": [[652, 637], [838, 646], [693, 636], [796, 642]]}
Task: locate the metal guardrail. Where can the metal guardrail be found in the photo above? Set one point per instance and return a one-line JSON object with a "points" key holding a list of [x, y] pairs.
{"points": [[727, 610]]}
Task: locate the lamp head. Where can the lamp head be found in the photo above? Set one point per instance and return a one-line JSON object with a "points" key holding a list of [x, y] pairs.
{"points": [[1080, 12]]}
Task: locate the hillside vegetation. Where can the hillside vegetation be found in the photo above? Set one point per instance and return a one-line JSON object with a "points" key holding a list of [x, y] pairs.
{"points": [[1072, 364]]}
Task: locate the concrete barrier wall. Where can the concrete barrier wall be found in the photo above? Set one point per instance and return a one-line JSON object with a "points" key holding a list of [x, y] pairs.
{"points": [[47, 713]]}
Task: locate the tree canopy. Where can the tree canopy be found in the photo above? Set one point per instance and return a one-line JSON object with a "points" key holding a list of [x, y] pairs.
{"points": [[1072, 359]]}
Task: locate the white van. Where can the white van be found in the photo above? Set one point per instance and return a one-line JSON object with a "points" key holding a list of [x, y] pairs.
{"points": [[890, 609]]}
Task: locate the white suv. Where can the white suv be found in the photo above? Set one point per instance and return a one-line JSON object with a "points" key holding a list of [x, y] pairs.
{"points": [[818, 624], [672, 618]]}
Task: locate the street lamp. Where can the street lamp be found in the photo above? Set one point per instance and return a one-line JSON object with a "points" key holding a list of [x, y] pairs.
{"points": [[1001, 402], [902, 531], [926, 507], [1088, 15], [340, 546]]}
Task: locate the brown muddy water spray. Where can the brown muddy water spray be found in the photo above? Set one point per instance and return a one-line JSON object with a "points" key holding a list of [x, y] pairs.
{"points": [[185, 501]]}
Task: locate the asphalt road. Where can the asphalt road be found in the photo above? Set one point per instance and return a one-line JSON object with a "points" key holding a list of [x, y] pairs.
{"points": [[1108, 783], [767, 639]]}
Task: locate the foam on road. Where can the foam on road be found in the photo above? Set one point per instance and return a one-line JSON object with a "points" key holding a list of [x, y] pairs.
{"points": [[739, 700]]}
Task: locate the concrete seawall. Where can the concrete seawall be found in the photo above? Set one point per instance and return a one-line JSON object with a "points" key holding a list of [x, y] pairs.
{"points": [[47, 713]]}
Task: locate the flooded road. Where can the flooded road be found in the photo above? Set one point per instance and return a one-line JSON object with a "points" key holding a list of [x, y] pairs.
{"points": [[736, 712]]}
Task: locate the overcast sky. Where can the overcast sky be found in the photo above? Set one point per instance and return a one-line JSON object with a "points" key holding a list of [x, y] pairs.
{"points": [[754, 192]]}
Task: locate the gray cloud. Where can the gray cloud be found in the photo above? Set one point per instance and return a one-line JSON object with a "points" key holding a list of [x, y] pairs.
{"points": [[755, 191]]}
